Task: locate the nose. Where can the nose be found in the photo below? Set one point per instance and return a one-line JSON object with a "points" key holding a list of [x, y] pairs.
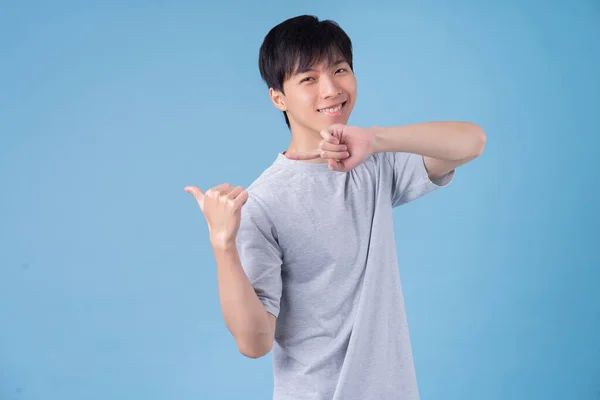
{"points": [[329, 87]]}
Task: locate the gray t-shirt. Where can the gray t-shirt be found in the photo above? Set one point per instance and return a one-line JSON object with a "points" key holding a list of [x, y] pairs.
{"points": [[318, 247]]}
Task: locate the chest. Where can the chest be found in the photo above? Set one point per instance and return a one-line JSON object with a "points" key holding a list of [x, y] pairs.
{"points": [[327, 239]]}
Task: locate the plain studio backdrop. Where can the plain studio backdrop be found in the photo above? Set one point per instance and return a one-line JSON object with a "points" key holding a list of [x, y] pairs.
{"points": [[108, 284]]}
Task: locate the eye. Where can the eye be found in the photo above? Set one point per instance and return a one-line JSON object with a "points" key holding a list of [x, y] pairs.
{"points": [[341, 70], [306, 79]]}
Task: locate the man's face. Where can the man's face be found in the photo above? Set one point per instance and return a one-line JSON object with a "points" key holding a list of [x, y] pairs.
{"points": [[319, 97]]}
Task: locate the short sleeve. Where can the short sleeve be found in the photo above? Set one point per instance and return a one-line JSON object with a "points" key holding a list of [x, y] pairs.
{"points": [[410, 179], [260, 254]]}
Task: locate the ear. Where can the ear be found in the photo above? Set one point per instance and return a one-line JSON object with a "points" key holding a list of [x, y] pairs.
{"points": [[278, 99]]}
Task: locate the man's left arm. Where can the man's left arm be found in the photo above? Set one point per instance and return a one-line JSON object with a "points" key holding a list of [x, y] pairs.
{"points": [[444, 146]]}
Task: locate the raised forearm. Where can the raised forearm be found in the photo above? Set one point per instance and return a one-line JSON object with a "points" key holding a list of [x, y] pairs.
{"points": [[448, 141], [244, 314]]}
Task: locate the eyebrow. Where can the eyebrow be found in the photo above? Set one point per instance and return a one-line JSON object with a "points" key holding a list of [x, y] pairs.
{"points": [[337, 62]]}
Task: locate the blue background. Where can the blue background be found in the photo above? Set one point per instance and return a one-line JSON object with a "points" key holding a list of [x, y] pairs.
{"points": [[107, 281]]}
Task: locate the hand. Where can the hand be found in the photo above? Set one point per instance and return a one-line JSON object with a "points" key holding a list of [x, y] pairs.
{"points": [[345, 146], [221, 207]]}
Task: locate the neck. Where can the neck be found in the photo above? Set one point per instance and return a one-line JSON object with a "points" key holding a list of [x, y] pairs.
{"points": [[305, 140]]}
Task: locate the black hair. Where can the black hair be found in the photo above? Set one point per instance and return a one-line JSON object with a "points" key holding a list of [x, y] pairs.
{"points": [[297, 44]]}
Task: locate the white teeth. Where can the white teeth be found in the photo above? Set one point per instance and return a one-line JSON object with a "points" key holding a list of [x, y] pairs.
{"points": [[331, 110]]}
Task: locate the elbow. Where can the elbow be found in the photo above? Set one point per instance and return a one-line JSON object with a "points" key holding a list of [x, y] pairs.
{"points": [[256, 341], [479, 140], [254, 349]]}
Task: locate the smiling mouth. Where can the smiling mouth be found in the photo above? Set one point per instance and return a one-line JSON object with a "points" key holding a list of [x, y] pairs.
{"points": [[332, 110]]}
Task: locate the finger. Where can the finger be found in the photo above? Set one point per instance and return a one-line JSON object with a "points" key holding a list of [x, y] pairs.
{"points": [[336, 155], [310, 155], [197, 193], [234, 192], [194, 191], [224, 192], [333, 164], [332, 147], [241, 199], [337, 165], [217, 190], [328, 137]]}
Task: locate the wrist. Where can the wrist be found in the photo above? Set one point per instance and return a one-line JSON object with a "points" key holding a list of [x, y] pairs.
{"points": [[377, 133], [392, 139], [223, 245]]}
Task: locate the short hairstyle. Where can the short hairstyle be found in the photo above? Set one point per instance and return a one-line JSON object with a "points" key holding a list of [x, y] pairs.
{"points": [[298, 43]]}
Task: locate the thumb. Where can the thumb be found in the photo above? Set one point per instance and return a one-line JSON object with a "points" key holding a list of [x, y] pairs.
{"points": [[328, 136], [333, 134], [197, 193]]}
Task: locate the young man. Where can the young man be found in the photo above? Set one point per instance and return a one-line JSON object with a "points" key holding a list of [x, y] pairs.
{"points": [[306, 255]]}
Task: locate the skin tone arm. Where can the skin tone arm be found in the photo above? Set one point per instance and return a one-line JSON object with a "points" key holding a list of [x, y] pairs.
{"points": [[443, 145], [245, 316]]}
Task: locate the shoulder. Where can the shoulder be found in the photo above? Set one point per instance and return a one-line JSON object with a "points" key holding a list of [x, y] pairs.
{"points": [[264, 189], [264, 196]]}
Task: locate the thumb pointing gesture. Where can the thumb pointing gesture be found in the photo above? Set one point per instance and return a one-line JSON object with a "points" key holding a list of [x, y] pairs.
{"points": [[221, 205]]}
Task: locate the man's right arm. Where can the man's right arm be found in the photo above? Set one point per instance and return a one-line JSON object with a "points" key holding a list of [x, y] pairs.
{"points": [[252, 327]]}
